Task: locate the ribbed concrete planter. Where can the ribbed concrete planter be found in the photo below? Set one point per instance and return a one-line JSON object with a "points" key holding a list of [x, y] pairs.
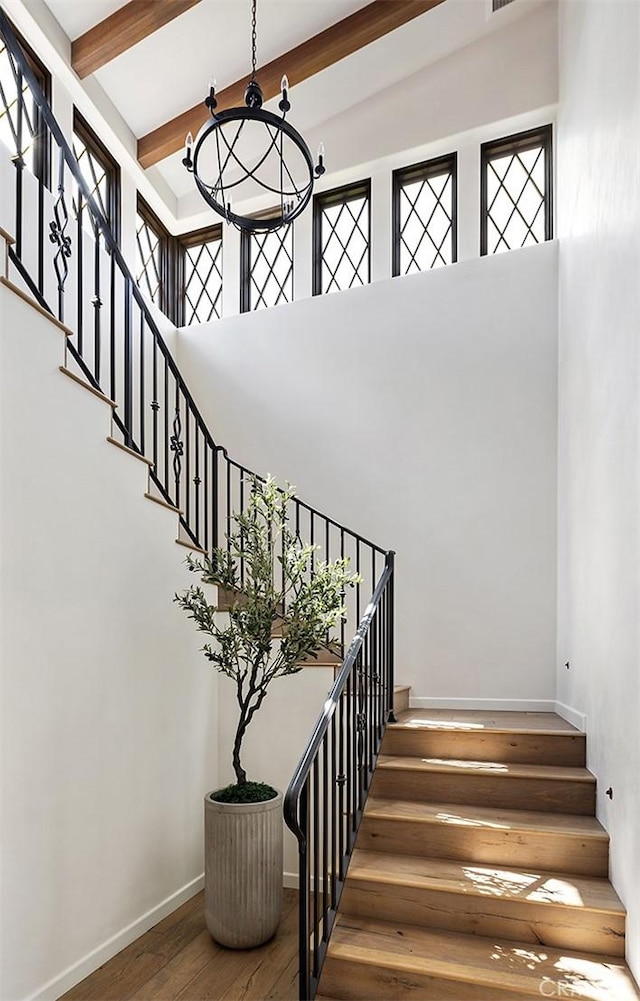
{"points": [[243, 871]]}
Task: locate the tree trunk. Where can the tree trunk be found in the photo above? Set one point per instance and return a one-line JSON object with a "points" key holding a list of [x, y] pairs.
{"points": [[241, 775]]}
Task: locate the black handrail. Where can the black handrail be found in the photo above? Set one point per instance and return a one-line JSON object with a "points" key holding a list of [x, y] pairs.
{"points": [[324, 802], [125, 356]]}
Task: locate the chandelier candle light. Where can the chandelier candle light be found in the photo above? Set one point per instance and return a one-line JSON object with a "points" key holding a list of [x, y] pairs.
{"points": [[245, 152]]}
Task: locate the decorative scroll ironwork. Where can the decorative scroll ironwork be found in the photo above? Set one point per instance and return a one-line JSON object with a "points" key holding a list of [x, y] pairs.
{"points": [[58, 236], [140, 368], [177, 446]]}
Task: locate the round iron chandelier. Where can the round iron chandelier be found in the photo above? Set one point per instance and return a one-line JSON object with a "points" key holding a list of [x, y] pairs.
{"points": [[246, 151]]}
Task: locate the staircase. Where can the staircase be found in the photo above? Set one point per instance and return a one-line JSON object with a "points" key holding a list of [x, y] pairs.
{"points": [[479, 870]]}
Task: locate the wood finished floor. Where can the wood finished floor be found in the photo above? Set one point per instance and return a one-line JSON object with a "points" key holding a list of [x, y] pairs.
{"points": [[177, 959]]}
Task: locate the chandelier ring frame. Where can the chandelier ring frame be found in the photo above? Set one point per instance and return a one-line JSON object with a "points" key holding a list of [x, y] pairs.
{"points": [[270, 120]]}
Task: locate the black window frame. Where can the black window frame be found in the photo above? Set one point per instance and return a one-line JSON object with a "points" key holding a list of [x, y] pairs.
{"points": [[245, 261], [519, 142], [343, 194], [435, 167], [167, 269], [172, 271], [182, 243], [42, 155], [107, 161]]}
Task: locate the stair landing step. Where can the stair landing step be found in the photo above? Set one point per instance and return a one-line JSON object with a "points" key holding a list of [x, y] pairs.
{"points": [[449, 766], [452, 876], [484, 720], [474, 965]]}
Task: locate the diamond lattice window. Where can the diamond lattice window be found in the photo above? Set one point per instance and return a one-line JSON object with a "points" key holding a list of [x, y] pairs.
{"points": [[202, 284], [99, 171], [19, 117], [149, 258], [516, 191], [342, 238], [267, 269], [424, 216]]}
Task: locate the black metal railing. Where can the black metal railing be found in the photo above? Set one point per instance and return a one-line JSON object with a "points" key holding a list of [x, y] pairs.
{"points": [[324, 803], [68, 259]]}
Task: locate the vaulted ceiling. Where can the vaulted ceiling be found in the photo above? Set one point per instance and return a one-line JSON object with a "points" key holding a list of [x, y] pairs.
{"points": [[153, 58]]}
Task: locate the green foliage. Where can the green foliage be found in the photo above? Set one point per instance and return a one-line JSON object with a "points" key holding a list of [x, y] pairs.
{"points": [[280, 573], [248, 792]]}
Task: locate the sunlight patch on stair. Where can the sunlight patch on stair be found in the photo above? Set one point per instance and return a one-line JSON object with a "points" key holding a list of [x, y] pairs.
{"points": [[456, 819], [494, 766], [497, 882], [517, 958], [595, 980], [441, 724]]}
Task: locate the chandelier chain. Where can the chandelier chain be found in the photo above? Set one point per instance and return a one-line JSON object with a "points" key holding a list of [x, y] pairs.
{"points": [[253, 39]]}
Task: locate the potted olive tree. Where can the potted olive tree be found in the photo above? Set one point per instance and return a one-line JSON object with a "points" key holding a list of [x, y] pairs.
{"points": [[280, 616]]}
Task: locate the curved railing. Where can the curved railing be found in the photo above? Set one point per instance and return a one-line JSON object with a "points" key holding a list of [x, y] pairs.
{"points": [[68, 259], [325, 799]]}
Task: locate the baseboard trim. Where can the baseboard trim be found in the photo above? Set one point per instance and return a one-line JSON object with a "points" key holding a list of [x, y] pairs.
{"points": [[290, 880], [578, 719], [89, 963], [493, 705]]}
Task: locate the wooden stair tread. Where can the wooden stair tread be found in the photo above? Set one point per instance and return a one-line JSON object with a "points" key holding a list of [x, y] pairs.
{"points": [[501, 965], [468, 878], [493, 769], [459, 815], [472, 720]]}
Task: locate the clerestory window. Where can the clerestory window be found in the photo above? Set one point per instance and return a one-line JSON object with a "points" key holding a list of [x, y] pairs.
{"points": [[424, 215], [266, 269], [21, 127], [342, 238], [100, 172], [516, 191]]}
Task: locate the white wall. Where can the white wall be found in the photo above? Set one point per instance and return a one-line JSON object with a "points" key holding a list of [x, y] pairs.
{"points": [[598, 145], [109, 712], [422, 412]]}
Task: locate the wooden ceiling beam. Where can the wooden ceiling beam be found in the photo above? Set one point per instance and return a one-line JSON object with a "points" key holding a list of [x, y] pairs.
{"points": [[121, 30], [305, 60]]}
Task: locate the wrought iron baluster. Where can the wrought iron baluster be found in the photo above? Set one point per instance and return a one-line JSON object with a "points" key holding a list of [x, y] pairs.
{"points": [[79, 276], [96, 302], [197, 481], [18, 160], [112, 328], [142, 407], [155, 405], [187, 479], [177, 447], [59, 237]]}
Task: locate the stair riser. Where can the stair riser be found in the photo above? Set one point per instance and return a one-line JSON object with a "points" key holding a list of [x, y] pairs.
{"points": [[554, 796], [401, 700], [348, 979], [557, 852], [518, 921], [517, 748]]}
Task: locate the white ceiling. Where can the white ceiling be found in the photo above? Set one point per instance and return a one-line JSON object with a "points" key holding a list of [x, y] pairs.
{"points": [[168, 72]]}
